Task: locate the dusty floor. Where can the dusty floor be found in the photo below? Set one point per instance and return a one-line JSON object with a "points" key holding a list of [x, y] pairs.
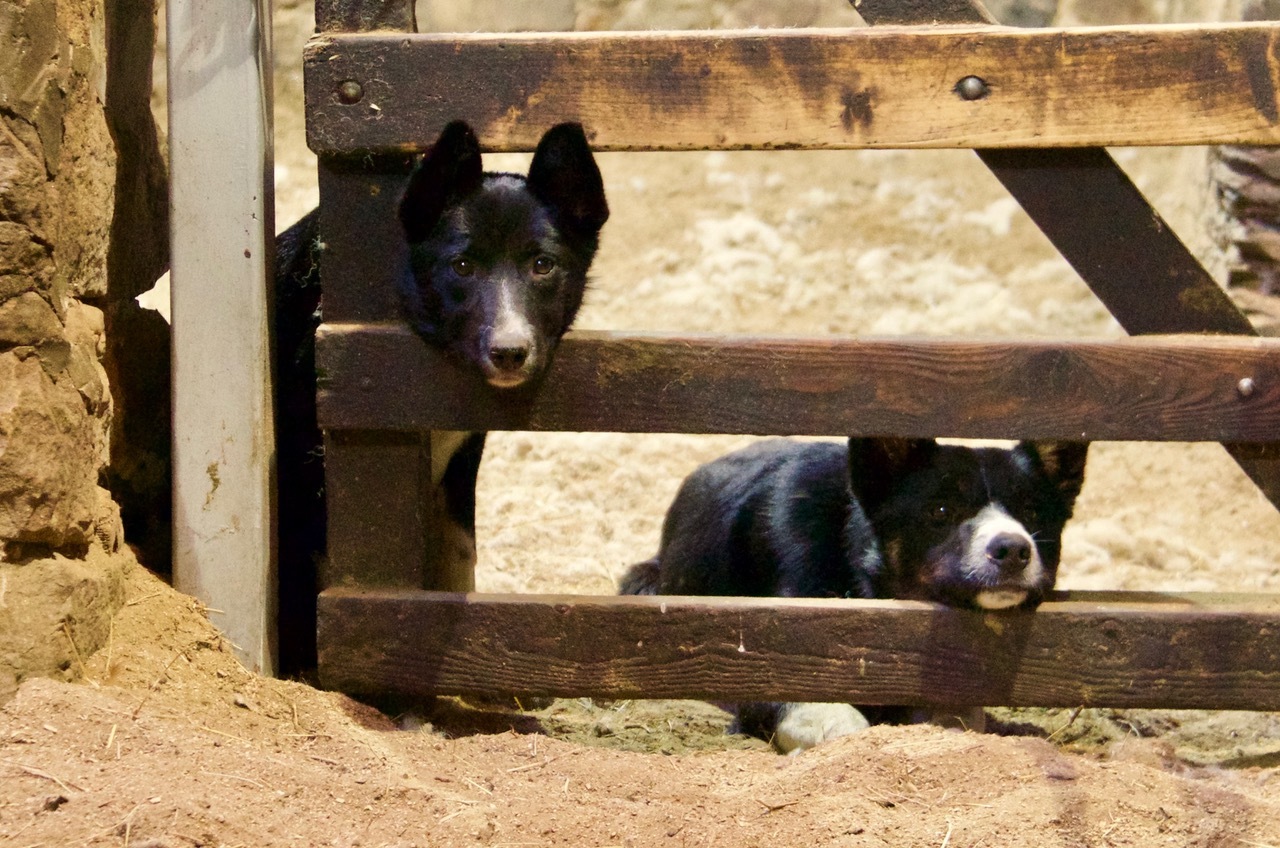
{"points": [[167, 741]]}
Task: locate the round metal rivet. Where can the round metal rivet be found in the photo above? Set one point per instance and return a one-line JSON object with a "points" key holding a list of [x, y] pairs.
{"points": [[1246, 387], [350, 91], [972, 88]]}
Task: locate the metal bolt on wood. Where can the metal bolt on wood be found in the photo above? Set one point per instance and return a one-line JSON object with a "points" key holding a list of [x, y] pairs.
{"points": [[1246, 387], [350, 91], [972, 88]]}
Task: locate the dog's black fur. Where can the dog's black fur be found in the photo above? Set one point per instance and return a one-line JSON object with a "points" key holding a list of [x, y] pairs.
{"points": [[301, 521], [876, 518], [497, 271]]}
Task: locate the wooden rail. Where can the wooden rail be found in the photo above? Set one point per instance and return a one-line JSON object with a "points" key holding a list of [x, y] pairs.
{"points": [[1173, 388], [1113, 649], [767, 89]]}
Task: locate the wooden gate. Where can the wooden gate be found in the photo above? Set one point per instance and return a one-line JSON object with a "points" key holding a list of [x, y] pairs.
{"points": [[1038, 106]]}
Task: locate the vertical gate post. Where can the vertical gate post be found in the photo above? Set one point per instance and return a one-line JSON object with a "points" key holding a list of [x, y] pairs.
{"points": [[382, 526], [222, 231]]}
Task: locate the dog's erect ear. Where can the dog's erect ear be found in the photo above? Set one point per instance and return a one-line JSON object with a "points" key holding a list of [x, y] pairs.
{"points": [[875, 463], [1063, 463], [564, 176], [449, 170]]}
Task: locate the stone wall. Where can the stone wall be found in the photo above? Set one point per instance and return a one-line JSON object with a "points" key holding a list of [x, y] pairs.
{"points": [[61, 556], [57, 168]]}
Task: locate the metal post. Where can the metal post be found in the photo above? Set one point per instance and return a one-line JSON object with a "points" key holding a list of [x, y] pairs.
{"points": [[222, 231]]}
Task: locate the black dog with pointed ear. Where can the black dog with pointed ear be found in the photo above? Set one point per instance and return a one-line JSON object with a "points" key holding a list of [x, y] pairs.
{"points": [[973, 527], [498, 262], [497, 269]]}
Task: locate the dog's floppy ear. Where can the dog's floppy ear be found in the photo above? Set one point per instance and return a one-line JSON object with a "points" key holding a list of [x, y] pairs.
{"points": [[1062, 462], [449, 170], [875, 463], [564, 176]]}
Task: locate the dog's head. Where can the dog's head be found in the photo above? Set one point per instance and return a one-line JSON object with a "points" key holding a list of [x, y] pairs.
{"points": [[498, 262], [969, 527]]}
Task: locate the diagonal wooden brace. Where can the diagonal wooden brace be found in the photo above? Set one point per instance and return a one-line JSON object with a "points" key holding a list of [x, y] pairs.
{"points": [[1101, 224]]}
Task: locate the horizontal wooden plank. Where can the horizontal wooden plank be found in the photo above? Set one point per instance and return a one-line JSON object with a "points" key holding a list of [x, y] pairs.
{"points": [[1171, 388], [800, 88], [1212, 652]]}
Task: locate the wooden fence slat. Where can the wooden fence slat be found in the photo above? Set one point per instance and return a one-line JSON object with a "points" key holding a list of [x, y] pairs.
{"points": [[764, 89], [1209, 652], [1157, 388], [378, 490], [1096, 218], [365, 250], [1099, 221]]}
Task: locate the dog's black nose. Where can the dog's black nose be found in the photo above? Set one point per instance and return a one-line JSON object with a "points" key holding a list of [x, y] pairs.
{"points": [[508, 358], [1010, 552]]}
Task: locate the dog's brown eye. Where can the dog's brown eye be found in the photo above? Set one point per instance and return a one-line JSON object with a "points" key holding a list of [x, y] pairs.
{"points": [[939, 514], [543, 265], [462, 267]]}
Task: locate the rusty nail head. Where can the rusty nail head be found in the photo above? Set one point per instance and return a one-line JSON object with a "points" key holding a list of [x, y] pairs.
{"points": [[350, 91], [1246, 387], [972, 88]]}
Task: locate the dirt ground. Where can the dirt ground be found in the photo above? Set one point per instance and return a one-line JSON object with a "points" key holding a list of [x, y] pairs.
{"points": [[167, 741]]}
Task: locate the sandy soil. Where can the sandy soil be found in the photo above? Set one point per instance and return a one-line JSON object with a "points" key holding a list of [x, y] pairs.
{"points": [[168, 741]]}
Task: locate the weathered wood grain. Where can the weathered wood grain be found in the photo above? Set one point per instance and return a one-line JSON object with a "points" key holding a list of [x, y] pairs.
{"points": [[365, 250], [1132, 260], [1210, 652], [1100, 222], [364, 15], [382, 506], [382, 530], [763, 89], [1166, 388]]}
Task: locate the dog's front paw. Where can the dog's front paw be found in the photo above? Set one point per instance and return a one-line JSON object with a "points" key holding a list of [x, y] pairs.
{"points": [[804, 725]]}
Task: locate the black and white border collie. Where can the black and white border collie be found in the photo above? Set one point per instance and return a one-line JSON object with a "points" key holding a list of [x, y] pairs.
{"points": [[970, 527], [497, 268]]}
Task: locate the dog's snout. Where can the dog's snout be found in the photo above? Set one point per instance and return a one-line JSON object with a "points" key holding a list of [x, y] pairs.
{"points": [[1010, 552], [509, 357]]}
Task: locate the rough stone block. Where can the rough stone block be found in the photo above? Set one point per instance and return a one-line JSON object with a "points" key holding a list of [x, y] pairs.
{"points": [[55, 613], [28, 320], [50, 452]]}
